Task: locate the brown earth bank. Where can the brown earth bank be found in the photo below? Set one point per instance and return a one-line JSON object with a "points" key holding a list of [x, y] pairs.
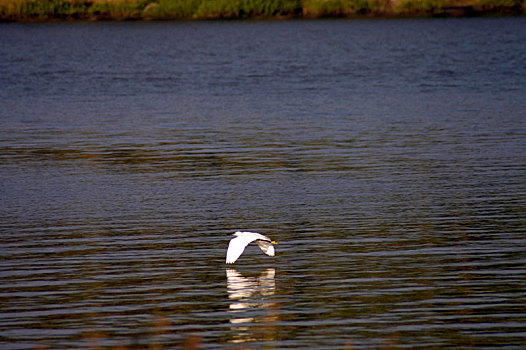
{"points": [[93, 10]]}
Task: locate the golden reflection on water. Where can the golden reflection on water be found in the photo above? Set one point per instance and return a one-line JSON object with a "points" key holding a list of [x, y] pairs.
{"points": [[252, 315]]}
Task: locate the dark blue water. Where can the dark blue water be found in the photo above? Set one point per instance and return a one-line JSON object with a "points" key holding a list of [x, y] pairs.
{"points": [[387, 157]]}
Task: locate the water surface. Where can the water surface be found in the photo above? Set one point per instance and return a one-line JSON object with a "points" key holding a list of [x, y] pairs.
{"points": [[386, 156]]}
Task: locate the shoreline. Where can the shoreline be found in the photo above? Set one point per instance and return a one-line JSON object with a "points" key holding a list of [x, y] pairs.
{"points": [[191, 10]]}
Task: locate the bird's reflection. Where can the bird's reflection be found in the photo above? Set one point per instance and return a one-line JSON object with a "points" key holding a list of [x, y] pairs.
{"points": [[252, 313]]}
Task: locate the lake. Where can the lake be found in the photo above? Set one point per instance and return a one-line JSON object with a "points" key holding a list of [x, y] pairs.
{"points": [[387, 158]]}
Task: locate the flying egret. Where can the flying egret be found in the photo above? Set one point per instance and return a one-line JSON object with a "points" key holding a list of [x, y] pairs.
{"points": [[237, 245]]}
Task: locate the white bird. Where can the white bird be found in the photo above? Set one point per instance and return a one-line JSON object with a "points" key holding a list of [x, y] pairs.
{"points": [[237, 245]]}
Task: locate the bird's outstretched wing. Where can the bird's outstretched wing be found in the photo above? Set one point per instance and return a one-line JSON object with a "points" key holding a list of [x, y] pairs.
{"points": [[266, 247], [236, 247]]}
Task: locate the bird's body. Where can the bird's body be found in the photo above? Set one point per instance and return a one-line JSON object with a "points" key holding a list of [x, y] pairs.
{"points": [[243, 238]]}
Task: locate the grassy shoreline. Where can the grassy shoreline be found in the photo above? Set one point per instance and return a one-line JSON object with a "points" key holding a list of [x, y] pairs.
{"points": [[93, 10]]}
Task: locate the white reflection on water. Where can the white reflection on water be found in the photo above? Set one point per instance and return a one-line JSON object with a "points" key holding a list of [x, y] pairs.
{"points": [[252, 315]]}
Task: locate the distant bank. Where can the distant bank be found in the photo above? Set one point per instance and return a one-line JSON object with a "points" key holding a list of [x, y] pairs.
{"points": [[68, 10]]}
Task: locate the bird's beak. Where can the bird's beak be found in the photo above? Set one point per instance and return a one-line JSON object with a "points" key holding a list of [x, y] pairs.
{"points": [[274, 242]]}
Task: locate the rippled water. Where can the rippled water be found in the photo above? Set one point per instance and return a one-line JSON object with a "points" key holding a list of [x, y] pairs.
{"points": [[386, 157]]}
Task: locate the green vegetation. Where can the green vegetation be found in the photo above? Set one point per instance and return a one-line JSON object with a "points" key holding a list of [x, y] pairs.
{"points": [[42, 10], [347, 8], [246, 8]]}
